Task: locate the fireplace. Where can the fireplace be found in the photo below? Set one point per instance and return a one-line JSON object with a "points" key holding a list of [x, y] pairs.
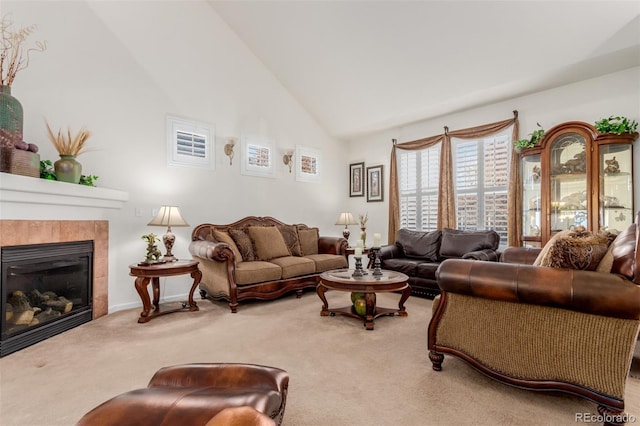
{"points": [[46, 289]]}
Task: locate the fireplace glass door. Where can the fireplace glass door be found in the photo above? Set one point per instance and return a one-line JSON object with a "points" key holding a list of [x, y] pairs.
{"points": [[46, 289]]}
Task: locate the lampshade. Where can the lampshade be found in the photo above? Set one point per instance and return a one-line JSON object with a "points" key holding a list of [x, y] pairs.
{"points": [[346, 219], [168, 216]]}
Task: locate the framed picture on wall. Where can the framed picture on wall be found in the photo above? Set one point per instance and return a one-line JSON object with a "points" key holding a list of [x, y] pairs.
{"points": [[356, 180], [375, 184]]}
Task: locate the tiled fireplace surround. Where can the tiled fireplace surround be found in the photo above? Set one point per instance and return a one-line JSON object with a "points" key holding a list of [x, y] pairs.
{"points": [[34, 211], [21, 232]]}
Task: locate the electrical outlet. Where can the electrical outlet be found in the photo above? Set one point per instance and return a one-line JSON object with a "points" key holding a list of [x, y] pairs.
{"points": [[138, 211]]}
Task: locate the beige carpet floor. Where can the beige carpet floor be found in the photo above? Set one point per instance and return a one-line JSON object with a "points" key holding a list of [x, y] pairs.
{"points": [[340, 374]]}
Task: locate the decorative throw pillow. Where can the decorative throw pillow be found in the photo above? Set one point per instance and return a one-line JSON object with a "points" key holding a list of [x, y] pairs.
{"points": [[268, 242], [420, 245], [575, 249], [290, 235], [457, 243], [244, 244], [224, 237], [309, 240]]}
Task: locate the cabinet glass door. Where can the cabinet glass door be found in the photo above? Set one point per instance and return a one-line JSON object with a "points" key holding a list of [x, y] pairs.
{"points": [[568, 183], [616, 188], [532, 219]]}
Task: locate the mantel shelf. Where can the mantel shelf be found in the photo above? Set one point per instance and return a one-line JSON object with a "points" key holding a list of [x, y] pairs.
{"points": [[24, 189]]}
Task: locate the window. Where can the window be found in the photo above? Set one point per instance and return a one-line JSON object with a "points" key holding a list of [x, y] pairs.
{"points": [[481, 178], [418, 182], [189, 143], [257, 156]]}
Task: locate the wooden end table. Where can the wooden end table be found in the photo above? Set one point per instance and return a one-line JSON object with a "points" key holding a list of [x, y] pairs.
{"points": [[152, 273], [342, 280]]}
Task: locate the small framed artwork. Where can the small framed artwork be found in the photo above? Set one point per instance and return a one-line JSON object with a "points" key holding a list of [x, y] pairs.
{"points": [[356, 180], [375, 184], [308, 163], [258, 157]]}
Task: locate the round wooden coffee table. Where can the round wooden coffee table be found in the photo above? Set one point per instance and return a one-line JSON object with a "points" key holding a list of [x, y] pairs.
{"points": [[343, 280]]}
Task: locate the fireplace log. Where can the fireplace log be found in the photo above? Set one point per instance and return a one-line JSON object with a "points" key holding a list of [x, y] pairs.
{"points": [[8, 311], [22, 310], [61, 304], [46, 315]]}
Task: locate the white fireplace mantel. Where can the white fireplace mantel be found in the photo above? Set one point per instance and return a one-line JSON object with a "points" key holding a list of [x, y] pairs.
{"points": [[21, 194]]}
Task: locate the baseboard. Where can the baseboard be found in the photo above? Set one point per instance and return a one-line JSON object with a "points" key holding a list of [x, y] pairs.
{"points": [[131, 305]]}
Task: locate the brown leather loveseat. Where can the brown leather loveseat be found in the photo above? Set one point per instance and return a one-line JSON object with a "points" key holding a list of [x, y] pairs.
{"points": [[541, 327], [418, 254]]}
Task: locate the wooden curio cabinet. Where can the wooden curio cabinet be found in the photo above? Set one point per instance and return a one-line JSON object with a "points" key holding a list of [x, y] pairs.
{"points": [[576, 177]]}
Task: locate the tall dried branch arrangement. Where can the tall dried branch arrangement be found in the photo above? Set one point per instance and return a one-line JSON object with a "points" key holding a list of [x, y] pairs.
{"points": [[68, 145], [14, 54]]}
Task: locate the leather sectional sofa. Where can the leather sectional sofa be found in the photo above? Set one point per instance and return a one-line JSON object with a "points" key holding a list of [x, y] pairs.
{"points": [[418, 254], [262, 258]]}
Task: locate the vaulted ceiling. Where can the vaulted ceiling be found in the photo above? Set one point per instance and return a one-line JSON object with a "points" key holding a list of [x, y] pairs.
{"points": [[360, 66]]}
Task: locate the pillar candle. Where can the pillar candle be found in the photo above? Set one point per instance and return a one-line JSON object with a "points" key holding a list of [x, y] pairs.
{"points": [[358, 252], [377, 239], [359, 243]]}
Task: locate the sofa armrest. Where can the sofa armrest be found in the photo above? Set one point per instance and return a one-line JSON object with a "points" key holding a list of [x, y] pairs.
{"points": [[220, 252], [390, 252], [523, 255], [333, 245], [590, 292], [485, 254]]}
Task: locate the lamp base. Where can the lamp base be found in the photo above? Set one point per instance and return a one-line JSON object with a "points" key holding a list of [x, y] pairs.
{"points": [[168, 239], [346, 233]]}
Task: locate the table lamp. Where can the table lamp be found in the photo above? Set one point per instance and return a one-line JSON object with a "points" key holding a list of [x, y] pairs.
{"points": [[168, 216], [346, 219]]}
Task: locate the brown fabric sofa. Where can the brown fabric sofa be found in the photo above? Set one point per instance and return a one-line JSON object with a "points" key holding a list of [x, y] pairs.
{"points": [[194, 395], [544, 328], [418, 254], [262, 258]]}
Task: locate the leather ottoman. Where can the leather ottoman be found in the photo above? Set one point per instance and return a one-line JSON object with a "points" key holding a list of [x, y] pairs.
{"points": [[192, 394]]}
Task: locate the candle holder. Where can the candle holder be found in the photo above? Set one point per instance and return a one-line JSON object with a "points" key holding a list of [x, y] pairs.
{"points": [[358, 271], [376, 262]]}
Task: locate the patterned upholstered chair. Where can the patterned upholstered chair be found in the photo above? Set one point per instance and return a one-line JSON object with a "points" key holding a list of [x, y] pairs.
{"points": [[544, 328]]}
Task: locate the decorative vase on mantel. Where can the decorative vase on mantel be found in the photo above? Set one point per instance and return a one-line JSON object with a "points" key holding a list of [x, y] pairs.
{"points": [[11, 121], [11, 117], [68, 169], [363, 236]]}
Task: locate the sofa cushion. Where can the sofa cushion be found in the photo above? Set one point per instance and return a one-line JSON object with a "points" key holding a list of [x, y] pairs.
{"points": [[404, 265], [244, 244], [421, 245], [427, 269], [224, 237], [308, 240], [574, 249], [291, 239], [326, 262], [294, 266], [456, 243], [268, 242], [257, 272]]}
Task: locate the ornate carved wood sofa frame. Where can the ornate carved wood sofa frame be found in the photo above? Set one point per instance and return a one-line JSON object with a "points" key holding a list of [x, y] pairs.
{"points": [[228, 277], [544, 328]]}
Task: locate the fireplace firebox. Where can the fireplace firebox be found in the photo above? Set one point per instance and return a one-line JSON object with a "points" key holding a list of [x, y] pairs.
{"points": [[46, 290]]}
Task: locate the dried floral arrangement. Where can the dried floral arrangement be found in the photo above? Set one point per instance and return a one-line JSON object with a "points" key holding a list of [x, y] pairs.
{"points": [[14, 54], [68, 145]]}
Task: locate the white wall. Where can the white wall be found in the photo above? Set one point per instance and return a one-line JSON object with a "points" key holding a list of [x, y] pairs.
{"points": [[588, 101], [119, 68]]}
